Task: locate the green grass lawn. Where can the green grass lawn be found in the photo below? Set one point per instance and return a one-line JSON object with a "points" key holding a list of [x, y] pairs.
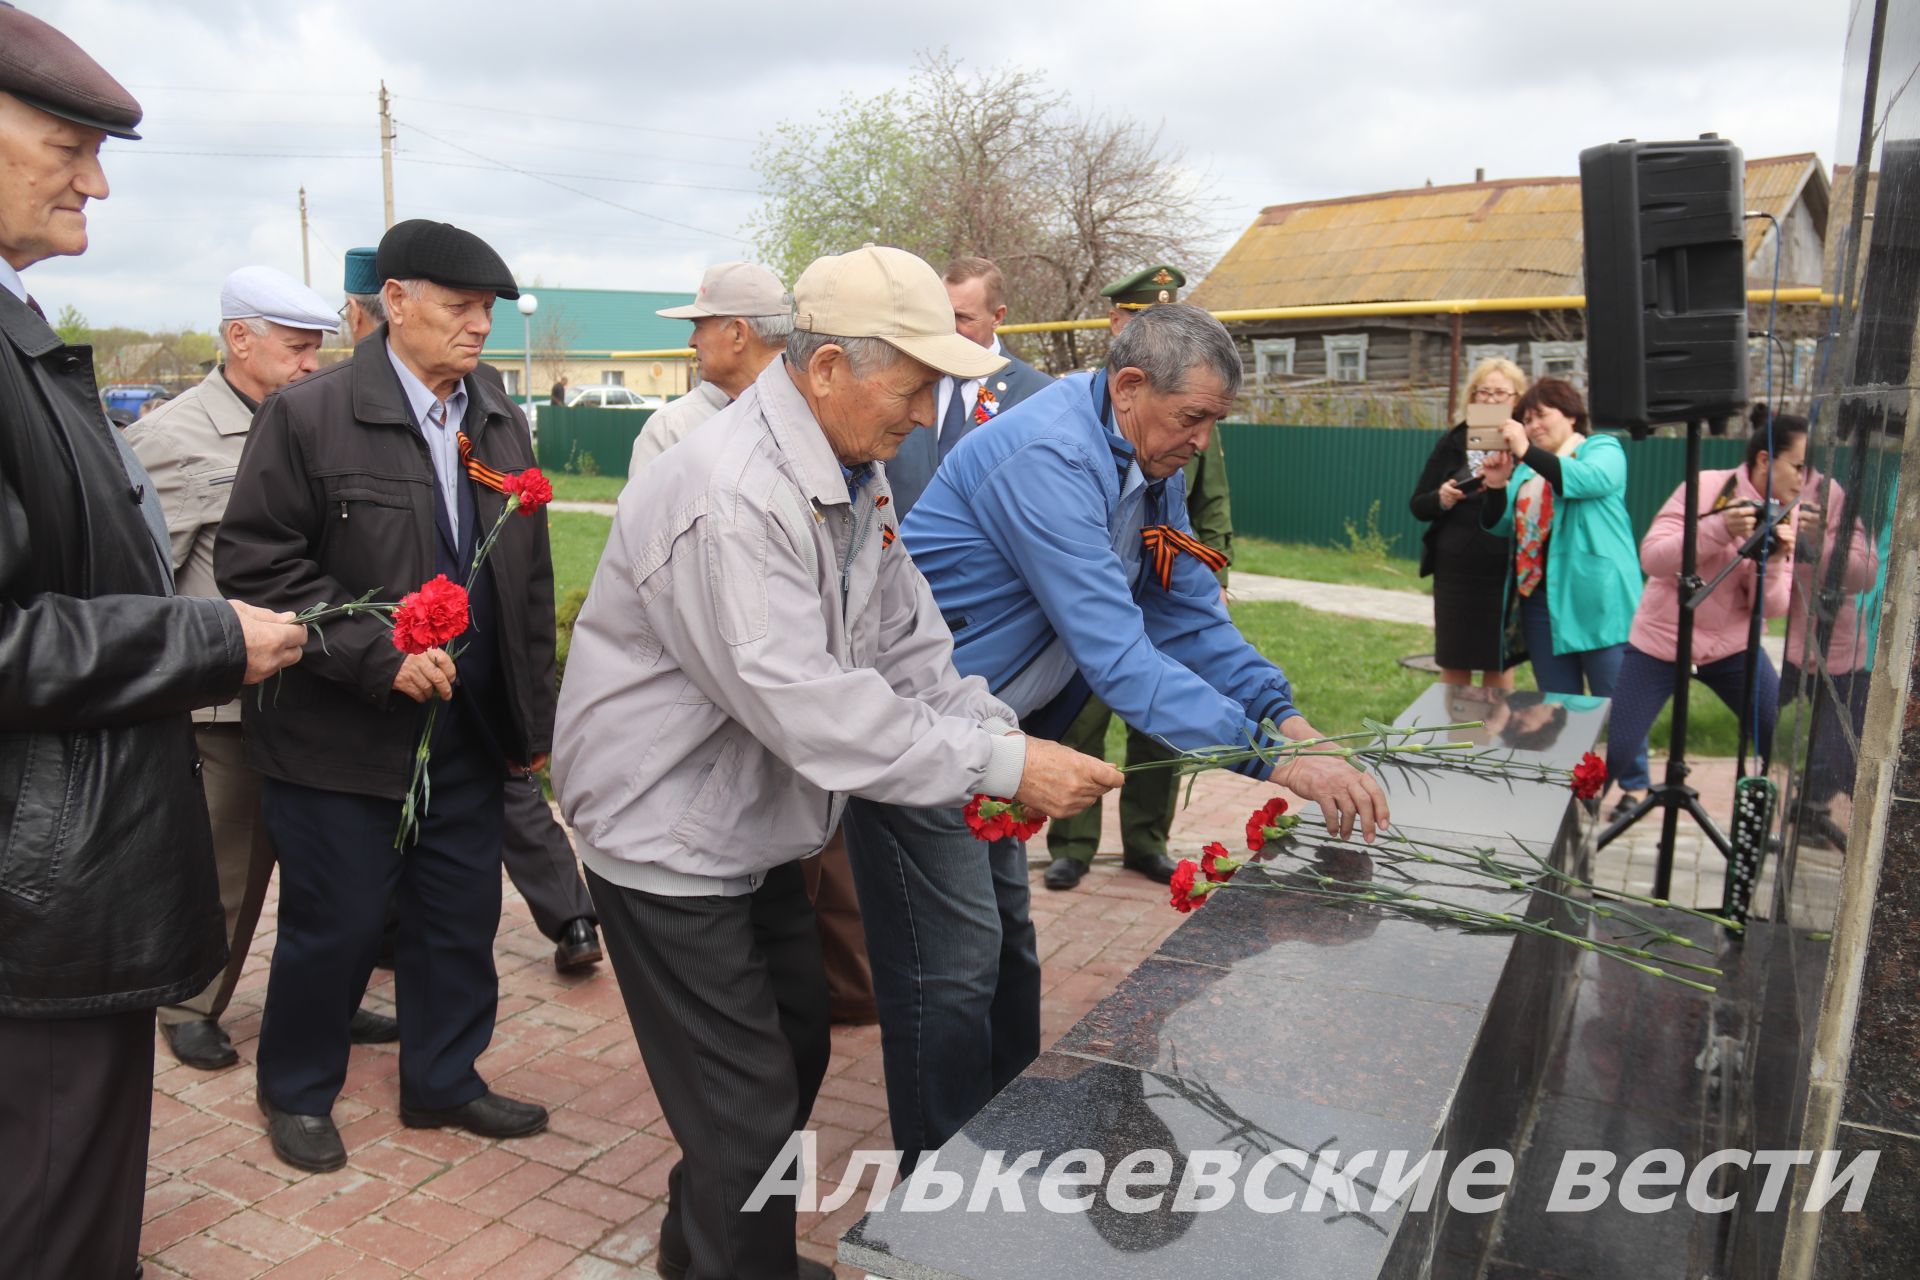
{"points": [[571, 488], [577, 540], [1327, 564]]}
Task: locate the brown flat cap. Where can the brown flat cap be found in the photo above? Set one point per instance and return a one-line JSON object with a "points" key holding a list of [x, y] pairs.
{"points": [[44, 69]]}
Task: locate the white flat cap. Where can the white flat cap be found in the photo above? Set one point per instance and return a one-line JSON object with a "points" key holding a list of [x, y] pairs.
{"points": [[275, 296], [735, 289]]}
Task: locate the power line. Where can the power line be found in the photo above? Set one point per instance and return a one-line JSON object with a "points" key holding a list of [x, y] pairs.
{"points": [[585, 195], [589, 177], [244, 155], [607, 124], [205, 88]]}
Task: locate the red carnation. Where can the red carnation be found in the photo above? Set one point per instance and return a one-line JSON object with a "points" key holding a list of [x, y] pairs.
{"points": [[1589, 776], [1182, 887], [992, 818], [430, 618], [532, 489], [1210, 859], [1263, 818]]}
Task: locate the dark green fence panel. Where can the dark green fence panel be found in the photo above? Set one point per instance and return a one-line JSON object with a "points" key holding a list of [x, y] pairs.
{"points": [[567, 436], [1304, 484]]}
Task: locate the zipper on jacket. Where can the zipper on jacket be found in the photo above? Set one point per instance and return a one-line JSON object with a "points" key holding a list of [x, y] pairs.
{"points": [[343, 510], [862, 524]]}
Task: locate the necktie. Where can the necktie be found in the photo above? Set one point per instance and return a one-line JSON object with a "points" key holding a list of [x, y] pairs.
{"points": [[954, 425]]}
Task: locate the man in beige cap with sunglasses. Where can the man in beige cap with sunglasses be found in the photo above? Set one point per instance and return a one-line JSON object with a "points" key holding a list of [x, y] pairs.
{"points": [[757, 647], [741, 318]]}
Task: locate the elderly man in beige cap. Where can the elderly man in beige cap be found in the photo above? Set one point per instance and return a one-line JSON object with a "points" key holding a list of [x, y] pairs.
{"points": [[108, 900], [741, 318], [757, 647]]}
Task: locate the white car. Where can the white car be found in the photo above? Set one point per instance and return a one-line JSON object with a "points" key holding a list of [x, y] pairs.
{"points": [[608, 396]]}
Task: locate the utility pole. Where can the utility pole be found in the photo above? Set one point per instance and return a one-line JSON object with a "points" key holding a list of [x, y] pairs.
{"points": [[306, 260], [386, 151]]}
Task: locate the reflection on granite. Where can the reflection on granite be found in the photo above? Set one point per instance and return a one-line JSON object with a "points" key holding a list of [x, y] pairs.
{"points": [[1883, 1084], [1063, 1103], [1556, 732], [1876, 1243], [1607, 1242], [1336, 1046], [1634, 1043]]}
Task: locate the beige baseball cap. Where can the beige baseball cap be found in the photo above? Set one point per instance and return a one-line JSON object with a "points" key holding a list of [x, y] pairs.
{"points": [[735, 289], [877, 292]]}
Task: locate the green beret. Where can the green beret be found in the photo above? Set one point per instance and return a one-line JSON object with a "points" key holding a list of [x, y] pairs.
{"points": [[361, 277], [1146, 287]]}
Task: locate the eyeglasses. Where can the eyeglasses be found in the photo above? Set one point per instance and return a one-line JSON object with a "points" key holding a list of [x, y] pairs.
{"points": [[1491, 395]]}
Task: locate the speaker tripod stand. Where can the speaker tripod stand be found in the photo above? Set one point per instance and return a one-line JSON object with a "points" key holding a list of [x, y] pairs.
{"points": [[1672, 796]]}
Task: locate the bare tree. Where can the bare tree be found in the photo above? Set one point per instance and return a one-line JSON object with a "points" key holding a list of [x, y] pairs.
{"points": [[989, 162]]}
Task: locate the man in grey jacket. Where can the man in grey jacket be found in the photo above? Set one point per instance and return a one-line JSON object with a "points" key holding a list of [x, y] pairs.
{"points": [[757, 646]]}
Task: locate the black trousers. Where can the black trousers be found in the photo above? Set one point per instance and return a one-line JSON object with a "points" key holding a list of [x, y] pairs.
{"points": [[338, 868], [540, 859], [76, 1099], [728, 1000]]}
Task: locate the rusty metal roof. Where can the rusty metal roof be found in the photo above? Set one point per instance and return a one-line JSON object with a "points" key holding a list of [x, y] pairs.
{"points": [[1515, 237]]}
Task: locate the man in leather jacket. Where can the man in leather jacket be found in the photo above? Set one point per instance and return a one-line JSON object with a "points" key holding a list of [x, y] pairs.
{"points": [[109, 904]]}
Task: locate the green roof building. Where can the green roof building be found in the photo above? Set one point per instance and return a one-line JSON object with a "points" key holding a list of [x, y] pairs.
{"points": [[583, 335]]}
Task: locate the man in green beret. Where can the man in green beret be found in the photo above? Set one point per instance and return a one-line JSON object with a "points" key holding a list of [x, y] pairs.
{"points": [[1147, 800]]}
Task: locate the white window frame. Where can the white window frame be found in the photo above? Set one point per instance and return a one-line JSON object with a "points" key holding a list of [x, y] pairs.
{"points": [[1273, 357], [1477, 351], [1806, 358], [614, 377], [1337, 344], [1539, 353]]}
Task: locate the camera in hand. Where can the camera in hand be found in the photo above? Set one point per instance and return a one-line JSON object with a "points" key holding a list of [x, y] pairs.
{"points": [[1768, 516]]}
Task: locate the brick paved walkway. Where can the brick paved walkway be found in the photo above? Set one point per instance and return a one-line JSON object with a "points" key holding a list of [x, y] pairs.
{"points": [[584, 1199]]}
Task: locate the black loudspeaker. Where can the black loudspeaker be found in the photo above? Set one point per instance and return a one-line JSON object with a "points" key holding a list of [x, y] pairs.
{"points": [[1666, 281]]}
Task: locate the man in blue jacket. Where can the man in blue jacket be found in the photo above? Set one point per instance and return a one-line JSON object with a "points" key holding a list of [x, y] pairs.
{"points": [[1059, 552]]}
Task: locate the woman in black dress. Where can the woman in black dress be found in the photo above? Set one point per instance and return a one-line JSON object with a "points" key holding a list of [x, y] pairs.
{"points": [[1471, 628]]}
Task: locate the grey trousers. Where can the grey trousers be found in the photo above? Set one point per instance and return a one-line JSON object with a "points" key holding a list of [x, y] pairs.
{"points": [[540, 861], [241, 852]]}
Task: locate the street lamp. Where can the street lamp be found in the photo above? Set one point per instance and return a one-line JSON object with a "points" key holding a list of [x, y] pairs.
{"points": [[528, 304]]}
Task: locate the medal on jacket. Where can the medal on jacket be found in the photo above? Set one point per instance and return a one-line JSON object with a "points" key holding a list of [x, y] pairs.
{"points": [[987, 404]]}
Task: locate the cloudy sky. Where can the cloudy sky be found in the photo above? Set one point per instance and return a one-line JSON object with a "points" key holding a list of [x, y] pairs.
{"points": [[610, 145]]}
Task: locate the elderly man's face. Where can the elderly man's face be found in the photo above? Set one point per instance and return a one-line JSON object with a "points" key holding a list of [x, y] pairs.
{"points": [[868, 419], [261, 364], [49, 169], [1166, 428], [440, 333], [973, 318]]}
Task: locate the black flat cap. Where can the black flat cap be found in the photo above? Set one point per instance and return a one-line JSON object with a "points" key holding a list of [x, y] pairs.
{"points": [[44, 69], [419, 249]]}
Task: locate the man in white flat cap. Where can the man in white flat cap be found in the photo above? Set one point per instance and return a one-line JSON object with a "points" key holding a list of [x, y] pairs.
{"points": [[741, 318], [758, 646], [271, 327]]}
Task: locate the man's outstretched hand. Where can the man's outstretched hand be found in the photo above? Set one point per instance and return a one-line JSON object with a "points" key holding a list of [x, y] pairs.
{"points": [[1059, 782]]}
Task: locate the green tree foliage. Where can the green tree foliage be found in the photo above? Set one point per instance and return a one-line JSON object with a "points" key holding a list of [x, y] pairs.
{"points": [[72, 326]]}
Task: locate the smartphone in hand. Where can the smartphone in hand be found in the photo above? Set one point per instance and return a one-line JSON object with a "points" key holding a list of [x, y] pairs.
{"points": [[1484, 423]]}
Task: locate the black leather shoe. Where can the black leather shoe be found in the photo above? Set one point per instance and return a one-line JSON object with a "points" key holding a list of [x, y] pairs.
{"points": [[305, 1142], [579, 947], [1157, 867], [489, 1115], [368, 1027], [1063, 873], [201, 1043]]}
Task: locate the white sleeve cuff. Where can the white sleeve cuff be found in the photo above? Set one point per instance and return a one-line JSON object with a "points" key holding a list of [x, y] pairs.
{"points": [[1006, 765]]}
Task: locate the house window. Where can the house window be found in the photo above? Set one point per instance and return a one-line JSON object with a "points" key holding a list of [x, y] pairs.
{"points": [[1272, 357], [1346, 357], [1566, 360], [512, 378], [1806, 356], [1478, 351], [614, 377]]}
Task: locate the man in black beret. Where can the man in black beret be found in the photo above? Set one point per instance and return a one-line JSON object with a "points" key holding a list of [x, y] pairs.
{"points": [[376, 474], [109, 901]]}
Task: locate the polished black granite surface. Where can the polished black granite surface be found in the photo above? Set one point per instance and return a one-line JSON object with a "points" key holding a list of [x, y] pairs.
{"points": [[1270, 1021], [1064, 1102]]}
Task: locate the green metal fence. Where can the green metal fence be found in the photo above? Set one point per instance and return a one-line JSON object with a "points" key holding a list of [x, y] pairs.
{"points": [[568, 437], [1304, 484]]}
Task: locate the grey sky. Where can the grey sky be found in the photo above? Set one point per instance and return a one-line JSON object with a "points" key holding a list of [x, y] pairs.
{"points": [[656, 107]]}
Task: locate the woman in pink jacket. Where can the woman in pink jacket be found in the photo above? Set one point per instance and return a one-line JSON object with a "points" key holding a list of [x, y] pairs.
{"points": [[1729, 507], [1830, 769]]}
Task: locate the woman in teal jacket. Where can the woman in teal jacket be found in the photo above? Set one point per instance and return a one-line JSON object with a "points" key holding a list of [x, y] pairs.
{"points": [[1560, 495]]}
